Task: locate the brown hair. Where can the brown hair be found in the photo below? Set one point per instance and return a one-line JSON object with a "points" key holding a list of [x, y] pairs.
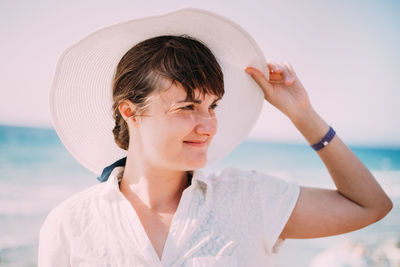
{"points": [[180, 59]]}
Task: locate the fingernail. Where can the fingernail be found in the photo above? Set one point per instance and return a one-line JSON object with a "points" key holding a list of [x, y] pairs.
{"points": [[290, 81]]}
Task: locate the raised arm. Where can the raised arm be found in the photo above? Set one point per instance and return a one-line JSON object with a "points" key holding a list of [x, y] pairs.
{"points": [[358, 200]]}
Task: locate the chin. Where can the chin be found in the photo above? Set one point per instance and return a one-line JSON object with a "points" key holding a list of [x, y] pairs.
{"points": [[197, 164]]}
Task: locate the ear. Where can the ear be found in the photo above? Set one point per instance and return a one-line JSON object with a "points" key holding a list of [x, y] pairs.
{"points": [[127, 110]]}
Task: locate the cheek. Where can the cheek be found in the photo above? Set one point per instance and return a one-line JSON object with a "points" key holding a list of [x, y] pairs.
{"points": [[168, 135], [179, 129]]}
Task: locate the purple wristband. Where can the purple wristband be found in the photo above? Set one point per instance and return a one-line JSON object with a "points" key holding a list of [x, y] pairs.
{"points": [[325, 140]]}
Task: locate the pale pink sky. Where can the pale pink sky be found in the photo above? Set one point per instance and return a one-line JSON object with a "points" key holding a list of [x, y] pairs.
{"points": [[344, 52]]}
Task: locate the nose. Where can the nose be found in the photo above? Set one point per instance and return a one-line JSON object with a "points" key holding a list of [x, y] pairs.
{"points": [[207, 125]]}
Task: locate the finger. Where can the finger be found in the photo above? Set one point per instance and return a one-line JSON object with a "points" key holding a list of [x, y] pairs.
{"points": [[275, 77], [274, 67], [288, 78], [289, 68], [260, 80], [275, 72], [282, 69], [291, 72]]}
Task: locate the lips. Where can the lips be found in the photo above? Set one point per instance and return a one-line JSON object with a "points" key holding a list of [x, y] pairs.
{"points": [[197, 143]]}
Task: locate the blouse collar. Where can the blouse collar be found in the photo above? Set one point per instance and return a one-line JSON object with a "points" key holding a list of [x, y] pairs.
{"points": [[112, 175]]}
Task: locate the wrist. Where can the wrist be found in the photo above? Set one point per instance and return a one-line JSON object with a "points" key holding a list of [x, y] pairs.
{"points": [[303, 115], [310, 125]]}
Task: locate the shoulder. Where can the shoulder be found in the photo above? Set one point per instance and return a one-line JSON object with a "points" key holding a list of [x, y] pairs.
{"points": [[235, 176], [237, 183], [83, 198], [73, 206]]}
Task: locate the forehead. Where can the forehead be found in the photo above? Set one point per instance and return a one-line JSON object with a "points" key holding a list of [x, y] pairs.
{"points": [[173, 92]]}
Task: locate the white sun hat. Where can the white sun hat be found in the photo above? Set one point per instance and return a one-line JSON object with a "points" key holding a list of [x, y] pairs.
{"points": [[81, 93]]}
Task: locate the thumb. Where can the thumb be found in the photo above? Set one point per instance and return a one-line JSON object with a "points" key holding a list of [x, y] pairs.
{"points": [[260, 80]]}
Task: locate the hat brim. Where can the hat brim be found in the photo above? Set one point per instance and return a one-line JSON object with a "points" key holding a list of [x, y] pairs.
{"points": [[81, 94]]}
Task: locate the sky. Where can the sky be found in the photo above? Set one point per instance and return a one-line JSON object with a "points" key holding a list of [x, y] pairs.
{"points": [[345, 53]]}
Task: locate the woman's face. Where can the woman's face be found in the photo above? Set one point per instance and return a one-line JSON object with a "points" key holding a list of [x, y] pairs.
{"points": [[176, 132]]}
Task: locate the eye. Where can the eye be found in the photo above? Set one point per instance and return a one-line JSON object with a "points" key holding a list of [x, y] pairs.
{"points": [[214, 106], [189, 107]]}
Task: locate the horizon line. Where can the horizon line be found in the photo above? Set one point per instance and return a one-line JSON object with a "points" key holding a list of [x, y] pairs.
{"points": [[392, 146]]}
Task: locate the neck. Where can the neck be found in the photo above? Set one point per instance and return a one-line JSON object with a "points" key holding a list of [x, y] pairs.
{"points": [[159, 189]]}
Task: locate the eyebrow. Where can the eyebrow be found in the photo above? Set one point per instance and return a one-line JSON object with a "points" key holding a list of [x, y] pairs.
{"points": [[197, 101]]}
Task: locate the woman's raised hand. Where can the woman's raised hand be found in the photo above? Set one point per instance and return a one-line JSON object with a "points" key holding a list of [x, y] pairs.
{"points": [[283, 89], [358, 199]]}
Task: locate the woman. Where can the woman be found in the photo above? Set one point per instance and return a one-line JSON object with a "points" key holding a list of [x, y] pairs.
{"points": [[158, 209]]}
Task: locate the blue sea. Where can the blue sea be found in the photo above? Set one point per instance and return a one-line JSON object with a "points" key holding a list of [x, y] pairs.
{"points": [[37, 173]]}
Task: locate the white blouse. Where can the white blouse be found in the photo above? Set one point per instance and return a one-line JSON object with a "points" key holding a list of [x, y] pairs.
{"points": [[231, 219]]}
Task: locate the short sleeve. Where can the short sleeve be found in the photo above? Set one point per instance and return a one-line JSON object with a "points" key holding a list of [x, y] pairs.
{"points": [[277, 199], [53, 247]]}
